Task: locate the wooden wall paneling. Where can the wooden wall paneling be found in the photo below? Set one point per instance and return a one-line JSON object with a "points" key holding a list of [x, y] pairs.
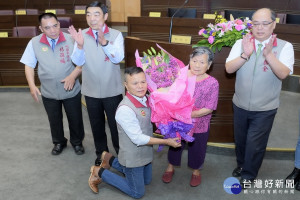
{"points": [[222, 121], [132, 8], [117, 11]]}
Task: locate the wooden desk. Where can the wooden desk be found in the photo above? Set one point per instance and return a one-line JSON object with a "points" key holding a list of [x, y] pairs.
{"points": [[291, 33], [7, 22], [42, 5], [222, 121], [153, 28], [11, 70], [279, 6], [202, 6], [210, 6]]}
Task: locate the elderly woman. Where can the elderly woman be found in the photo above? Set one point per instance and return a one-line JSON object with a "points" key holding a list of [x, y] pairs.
{"points": [[206, 99]]}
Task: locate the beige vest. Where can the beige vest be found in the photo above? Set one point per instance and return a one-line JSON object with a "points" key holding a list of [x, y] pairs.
{"points": [[100, 77], [257, 88], [131, 155]]}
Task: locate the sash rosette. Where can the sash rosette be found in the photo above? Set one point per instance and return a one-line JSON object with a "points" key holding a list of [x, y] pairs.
{"points": [[171, 93]]}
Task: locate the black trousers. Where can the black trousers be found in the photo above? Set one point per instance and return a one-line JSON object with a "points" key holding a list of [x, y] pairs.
{"points": [[73, 111], [96, 108], [251, 134]]}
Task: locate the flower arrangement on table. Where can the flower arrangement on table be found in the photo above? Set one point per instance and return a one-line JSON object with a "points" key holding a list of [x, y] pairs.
{"points": [[224, 33], [171, 93]]}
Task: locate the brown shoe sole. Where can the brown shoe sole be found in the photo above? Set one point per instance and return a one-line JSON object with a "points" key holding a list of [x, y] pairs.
{"points": [[91, 186]]}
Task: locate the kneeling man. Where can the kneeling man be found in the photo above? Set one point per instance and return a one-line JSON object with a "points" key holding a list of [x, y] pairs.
{"points": [[133, 118]]}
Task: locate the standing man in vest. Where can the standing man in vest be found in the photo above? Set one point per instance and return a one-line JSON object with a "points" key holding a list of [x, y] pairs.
{"points": [[260, 61], [136, 152], [100, 49], [59, 83]]}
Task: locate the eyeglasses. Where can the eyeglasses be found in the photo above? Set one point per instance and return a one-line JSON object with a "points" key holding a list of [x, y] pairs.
{"points": [[264, 24]]}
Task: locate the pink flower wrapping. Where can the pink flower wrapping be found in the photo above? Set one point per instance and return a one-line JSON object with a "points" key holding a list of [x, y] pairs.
{"points": [[173, 103]]}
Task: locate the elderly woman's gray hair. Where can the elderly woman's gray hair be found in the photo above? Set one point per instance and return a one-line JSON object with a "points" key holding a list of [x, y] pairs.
{"points": [[203, 50]]}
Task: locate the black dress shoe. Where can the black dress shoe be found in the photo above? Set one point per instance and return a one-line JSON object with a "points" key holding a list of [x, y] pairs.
{"points": [[79, 149], [297, 186], [98, 161], [58, 148], [295, 175], [237, 172]]}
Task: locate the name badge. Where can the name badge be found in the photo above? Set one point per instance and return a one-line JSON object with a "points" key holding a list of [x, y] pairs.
{"points": [[20, 12], [79, 12], [50, 11], [154, 14], [181, 39]]}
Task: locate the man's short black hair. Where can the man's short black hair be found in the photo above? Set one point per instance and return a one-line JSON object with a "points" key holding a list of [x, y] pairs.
{"points": [[46, 16], [98, 4], [132, 70]]}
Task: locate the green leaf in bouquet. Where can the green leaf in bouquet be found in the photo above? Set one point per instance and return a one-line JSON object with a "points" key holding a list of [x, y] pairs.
{"points": [[226, 38], [205, 35], [153, 50], [155, 61], [213, 48], [144, 54], [149, 52], [202, 45], [219, 46], [203, 42], [149, 60], [166, 58]]}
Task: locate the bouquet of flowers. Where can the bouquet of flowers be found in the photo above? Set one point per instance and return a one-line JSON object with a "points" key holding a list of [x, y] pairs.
{"points": [[171, 93], [224, 33], [160, 67]]}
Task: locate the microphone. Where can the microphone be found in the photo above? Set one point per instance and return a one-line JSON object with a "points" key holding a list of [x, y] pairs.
{"points": [[25, 4], [17, 25], [74, 5], [171, 24]]}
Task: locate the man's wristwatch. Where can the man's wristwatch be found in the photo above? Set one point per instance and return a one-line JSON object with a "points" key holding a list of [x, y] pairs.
{"points": [[247, 58], [105, 44]]}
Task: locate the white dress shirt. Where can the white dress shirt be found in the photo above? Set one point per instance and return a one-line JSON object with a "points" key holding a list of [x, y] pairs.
{"points": [[115, 51], [126, 117], [28, 57], [286, 55]]}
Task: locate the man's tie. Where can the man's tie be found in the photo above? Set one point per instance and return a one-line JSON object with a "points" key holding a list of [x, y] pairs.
{"points": [[53, 44], [97, 42], [258, 50], [257, 55]]}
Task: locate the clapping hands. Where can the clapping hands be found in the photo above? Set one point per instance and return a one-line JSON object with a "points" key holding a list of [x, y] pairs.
{"points": [[77, 36], [247, 42]]}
